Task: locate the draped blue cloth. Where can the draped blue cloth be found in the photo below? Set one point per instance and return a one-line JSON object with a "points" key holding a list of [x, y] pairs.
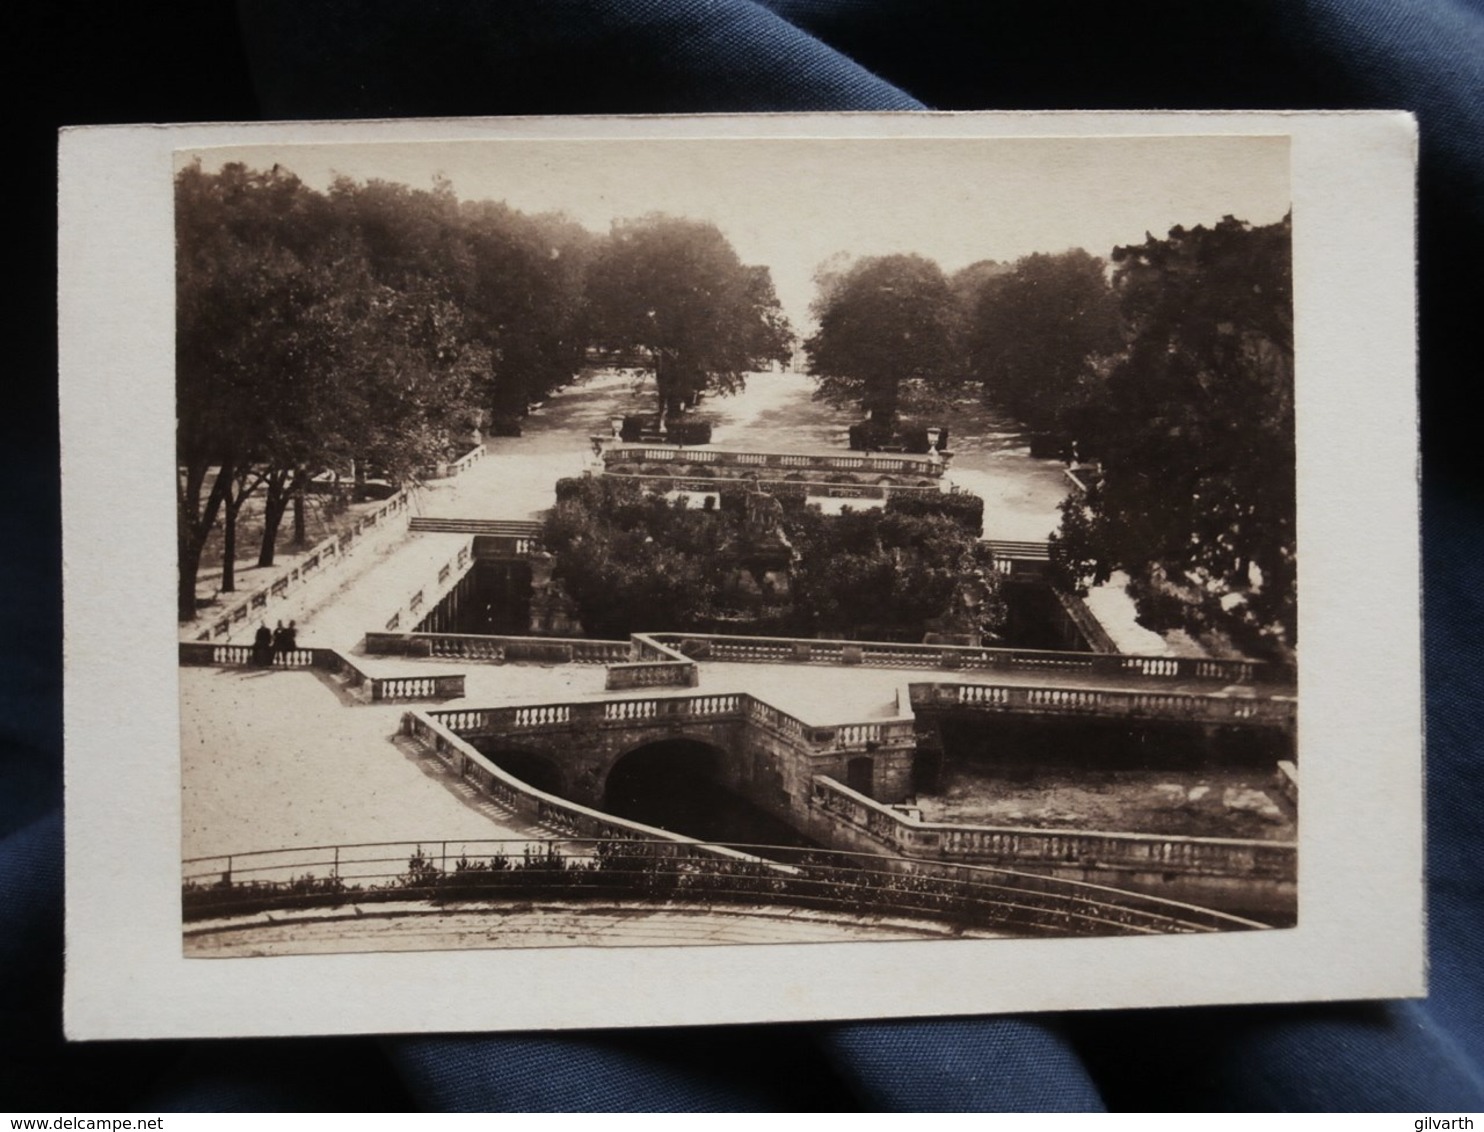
{"points": [[351, 58]]}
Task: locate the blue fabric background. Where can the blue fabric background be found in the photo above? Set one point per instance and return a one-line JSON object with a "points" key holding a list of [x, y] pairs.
{"points": [[348, 58]]}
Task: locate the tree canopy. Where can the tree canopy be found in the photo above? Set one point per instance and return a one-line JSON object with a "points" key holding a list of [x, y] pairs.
{"points": [[633, 562], [882, 320], [372, 323], [676, 290], [1035, 334], [1195, 434], [306, 336]]}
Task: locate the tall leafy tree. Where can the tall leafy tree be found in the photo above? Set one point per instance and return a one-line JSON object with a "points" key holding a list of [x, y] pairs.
{"points": [[676, 290], [1036, 333], [526, 303], [293, 354], [1196, 433], [882, 321], [242, 238]]}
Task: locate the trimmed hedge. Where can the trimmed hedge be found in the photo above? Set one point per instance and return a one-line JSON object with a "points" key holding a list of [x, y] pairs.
{"points": [[868, 436], [686, 431], [963, 507]]}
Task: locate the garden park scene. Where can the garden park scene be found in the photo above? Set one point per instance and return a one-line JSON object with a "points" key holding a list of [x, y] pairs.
{"points": [[547, 585]]}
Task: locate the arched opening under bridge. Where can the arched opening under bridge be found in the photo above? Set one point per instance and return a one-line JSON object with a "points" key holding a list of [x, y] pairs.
{"points": [[679, 785]]}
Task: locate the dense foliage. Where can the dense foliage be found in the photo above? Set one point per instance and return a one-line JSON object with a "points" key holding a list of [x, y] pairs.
{"points": [[883, 321], [373, 325], [674, 291], [300, 344], [1195, 437], [1174, 374], [1034, 335], [636, 562], [963, 507]]}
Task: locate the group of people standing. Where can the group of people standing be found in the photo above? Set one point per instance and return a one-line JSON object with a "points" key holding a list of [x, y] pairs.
{"points": [[268, 644]]}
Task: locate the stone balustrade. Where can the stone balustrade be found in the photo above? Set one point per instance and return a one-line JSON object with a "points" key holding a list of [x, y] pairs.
{"points": [[652, 665], [320, 557], [203, 653], [588, 715], [451, 468], [651, 674], [1216, 707], [816, 488], [506, 649], [785, 650], [1141, 852], [738, 464], [437, 734], [378, 689]]}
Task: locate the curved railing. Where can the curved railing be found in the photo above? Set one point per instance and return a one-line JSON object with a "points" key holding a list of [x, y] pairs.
{"points": [[678, 874], [435, 732]]}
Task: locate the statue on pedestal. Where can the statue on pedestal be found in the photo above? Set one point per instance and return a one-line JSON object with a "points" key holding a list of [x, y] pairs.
{"points": [[762, 526]]}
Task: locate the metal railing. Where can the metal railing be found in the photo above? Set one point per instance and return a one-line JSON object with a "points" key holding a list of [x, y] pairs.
{"points": [[679, 874]]}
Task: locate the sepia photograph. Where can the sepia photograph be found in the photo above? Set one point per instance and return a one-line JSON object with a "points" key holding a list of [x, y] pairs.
{"points": [[735, 570], [823, 541]]}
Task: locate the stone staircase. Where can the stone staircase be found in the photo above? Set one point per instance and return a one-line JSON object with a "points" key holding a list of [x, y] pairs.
{"points": [[510, 528]]}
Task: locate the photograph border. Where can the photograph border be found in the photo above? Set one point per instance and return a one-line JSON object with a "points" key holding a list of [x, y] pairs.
{"points": [[1360, 931]]}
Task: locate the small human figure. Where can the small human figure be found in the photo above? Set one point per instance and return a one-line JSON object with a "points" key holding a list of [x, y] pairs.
{"points": [[277, 640], [291, 637], [262, 646]]}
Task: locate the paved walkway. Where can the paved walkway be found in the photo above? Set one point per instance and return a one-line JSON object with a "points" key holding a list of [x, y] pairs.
{"points": [[281, 758], [426, 927]]}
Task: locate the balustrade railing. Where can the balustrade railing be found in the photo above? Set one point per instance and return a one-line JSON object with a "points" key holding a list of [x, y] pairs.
{"points": [[1195, 707], [651, 665], [923, 465], [513, 650], [449, 469], [237, 656], [784, 650], [650, 674], [1205, 856], [586, 715], [816, 488], [441, 686], [325, 553], [437, 731]]}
